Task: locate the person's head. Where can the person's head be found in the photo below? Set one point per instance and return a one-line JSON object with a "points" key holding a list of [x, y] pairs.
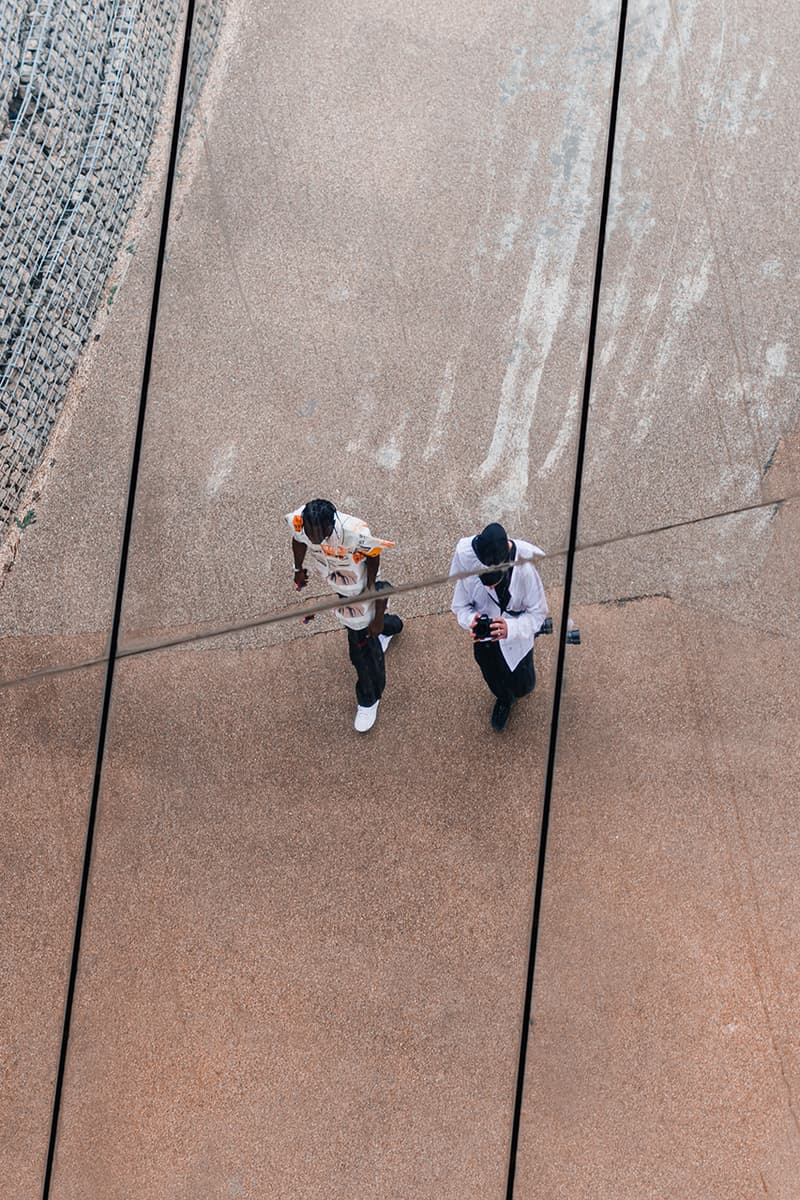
{"points": [[491, 547], [319, 517]]}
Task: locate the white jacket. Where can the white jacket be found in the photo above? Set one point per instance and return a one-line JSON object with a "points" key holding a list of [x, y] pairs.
{"points": [[527, 600]]}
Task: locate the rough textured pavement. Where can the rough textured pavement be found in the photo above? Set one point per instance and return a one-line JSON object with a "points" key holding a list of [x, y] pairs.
{"points": [[304, 954]]}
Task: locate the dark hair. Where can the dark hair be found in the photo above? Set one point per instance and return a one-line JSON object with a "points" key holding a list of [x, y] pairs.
{"points": [[319, 514]]}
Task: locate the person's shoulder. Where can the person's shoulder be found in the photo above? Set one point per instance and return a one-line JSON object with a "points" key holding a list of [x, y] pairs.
{"points": [[349, 521], [353, 529], [295, 521], [464, 557], [527, 549], [527, 569]]}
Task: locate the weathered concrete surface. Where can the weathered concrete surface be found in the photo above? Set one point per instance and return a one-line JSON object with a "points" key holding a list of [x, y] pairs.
{"points": [[663, 1057], [304, 951], [55, 607], [696, 380], [48, 734], [360, 305], [378, 289]]}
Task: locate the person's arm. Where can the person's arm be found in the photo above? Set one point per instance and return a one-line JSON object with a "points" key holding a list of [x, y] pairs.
{"points": [[463, 605], [376, 624], [373, 563], [300, 573]]}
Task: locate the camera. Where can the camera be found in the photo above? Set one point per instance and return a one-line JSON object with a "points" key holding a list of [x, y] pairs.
{"points": [[483, 627]]}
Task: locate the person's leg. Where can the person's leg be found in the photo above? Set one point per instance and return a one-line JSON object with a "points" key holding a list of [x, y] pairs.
{"points": [[495, 670], [523, 677], [366, 655]]}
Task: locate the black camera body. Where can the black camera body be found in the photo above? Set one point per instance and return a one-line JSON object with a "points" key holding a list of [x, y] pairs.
{"points": [[483, 627]]}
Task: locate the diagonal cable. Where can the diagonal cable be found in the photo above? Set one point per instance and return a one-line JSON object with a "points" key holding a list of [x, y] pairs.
{"points": [[214, 630]]}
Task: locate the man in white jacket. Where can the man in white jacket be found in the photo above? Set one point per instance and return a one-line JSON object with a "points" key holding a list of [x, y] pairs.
{"points": [[514, 601]]}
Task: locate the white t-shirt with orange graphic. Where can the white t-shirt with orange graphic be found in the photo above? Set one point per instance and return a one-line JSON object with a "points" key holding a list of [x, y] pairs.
{"points": [[341, 561]]}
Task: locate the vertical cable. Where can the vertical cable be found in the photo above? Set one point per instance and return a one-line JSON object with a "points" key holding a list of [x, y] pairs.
{"points": [[562, 632], [118, 599]]}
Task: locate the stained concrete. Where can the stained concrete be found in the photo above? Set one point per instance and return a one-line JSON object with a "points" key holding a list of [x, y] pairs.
{"points": [[304, 952], [663, 1059], [374, 288], [304, 955], [48, 733]]}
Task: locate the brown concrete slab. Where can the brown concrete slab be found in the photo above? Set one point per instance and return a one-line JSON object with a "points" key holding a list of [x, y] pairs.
{"points": [[303, 950], [663, 1056], [48, 735]]}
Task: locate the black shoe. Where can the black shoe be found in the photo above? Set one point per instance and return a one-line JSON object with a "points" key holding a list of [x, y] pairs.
{"points": [[500, 715]]}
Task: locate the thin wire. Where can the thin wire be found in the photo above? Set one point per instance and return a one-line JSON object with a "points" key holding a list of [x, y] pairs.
{"points": [[137, 648], [115, 627], [563, 624]]}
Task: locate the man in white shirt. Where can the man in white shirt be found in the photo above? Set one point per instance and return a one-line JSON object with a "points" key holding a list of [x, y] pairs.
{"points": [[347, 557], [514, 601]]}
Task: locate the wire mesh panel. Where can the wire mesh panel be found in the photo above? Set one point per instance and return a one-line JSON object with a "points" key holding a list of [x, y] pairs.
{"points": [[80, 95]]}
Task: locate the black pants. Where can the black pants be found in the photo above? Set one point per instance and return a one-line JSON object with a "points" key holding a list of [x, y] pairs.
{"points": [[366, 655], [507, 685]]}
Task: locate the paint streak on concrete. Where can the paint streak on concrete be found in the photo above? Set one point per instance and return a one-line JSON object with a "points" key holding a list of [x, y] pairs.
{"points": [[721, 109], [547, 293], [563, 440], [222, 464], [389, 455], [777, 358], [443, 406]]}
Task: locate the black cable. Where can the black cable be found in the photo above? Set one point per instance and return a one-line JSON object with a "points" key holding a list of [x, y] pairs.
{"points": [[322, 605], [115, 626], [562, 632]]}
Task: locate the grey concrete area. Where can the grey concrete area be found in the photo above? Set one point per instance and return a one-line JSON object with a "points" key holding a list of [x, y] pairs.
{"points": [[361, 305], [397, 275], [697, 370]]}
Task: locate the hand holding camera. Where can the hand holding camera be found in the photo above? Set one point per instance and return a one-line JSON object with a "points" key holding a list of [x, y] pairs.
{"points": [[482, 628], [489, 629]]}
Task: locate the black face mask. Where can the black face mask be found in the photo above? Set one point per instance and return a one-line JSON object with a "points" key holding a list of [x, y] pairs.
{"points": [[491, 578]]}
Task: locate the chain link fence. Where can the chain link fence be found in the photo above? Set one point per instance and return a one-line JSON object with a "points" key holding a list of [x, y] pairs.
{"points": [[81, 90]]}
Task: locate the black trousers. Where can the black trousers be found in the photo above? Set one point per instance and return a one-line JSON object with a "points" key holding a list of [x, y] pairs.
{"points": [[366, 655], [507, 685]]}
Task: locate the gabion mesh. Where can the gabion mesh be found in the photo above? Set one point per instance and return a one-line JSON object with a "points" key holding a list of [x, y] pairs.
{"points": [[81, 88]]}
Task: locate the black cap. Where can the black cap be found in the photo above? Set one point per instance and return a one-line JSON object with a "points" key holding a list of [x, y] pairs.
{"points": [[491, 545]]}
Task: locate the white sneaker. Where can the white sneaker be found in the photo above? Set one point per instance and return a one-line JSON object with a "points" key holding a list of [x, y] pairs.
{"points": [[365, 717], [384, 640]]}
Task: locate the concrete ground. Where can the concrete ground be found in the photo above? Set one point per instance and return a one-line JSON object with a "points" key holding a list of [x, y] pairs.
{"points": [[303, 962]]}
